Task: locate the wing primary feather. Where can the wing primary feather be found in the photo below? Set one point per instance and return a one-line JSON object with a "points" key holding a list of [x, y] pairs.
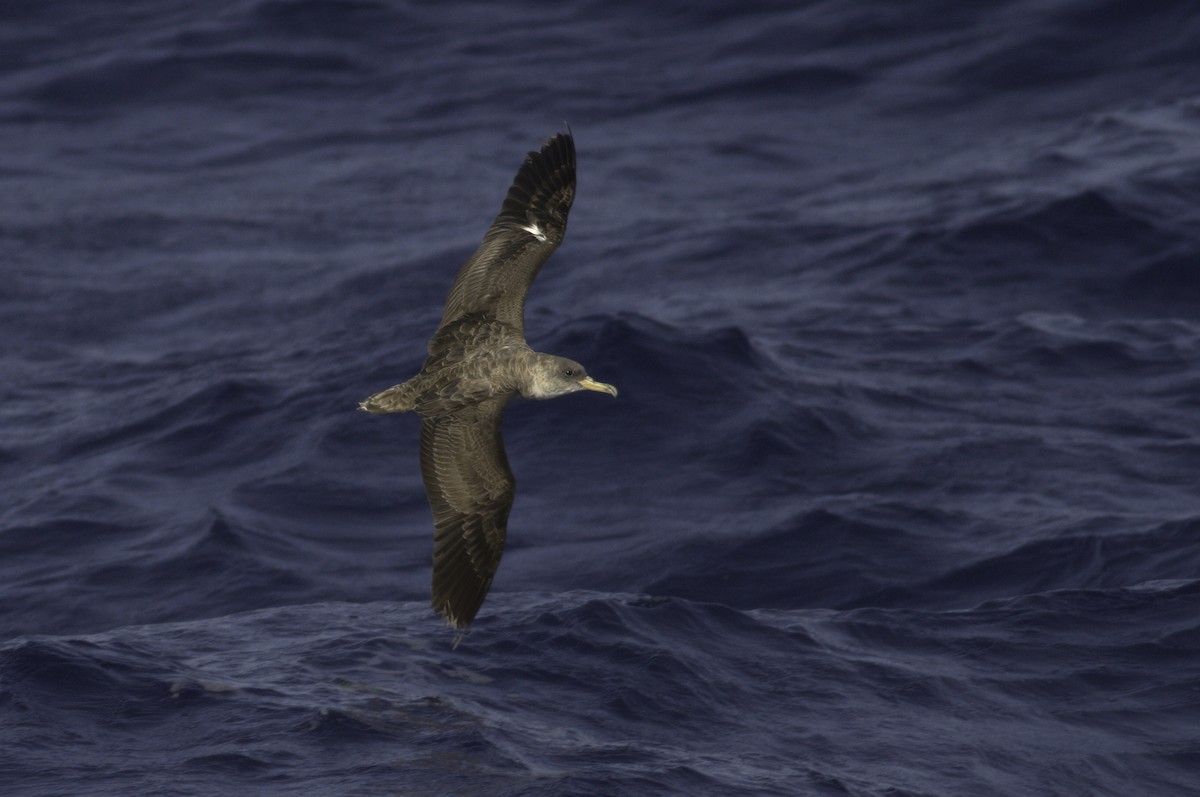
{"points": [[532, 221], [470, 489]]}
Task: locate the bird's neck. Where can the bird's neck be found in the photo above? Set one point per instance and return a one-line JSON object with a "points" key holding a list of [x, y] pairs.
{"points": [[532, 374]]}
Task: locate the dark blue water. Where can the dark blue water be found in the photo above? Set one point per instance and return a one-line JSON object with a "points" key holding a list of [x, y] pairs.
{"points": [[901, 495]]}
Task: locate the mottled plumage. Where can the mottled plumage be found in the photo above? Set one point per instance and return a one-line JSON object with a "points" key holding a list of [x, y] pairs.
{"points": [[478, 360]]}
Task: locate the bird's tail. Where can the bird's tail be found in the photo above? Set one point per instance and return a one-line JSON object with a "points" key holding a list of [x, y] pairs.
{"points": [[401, 398]]}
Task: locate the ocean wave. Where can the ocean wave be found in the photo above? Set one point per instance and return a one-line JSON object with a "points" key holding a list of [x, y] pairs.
{"points": [[1171, 280], [1067, 344], [818, 559], [1067, 45], [586, 673], [1083, 242], [194, 425], [1073, 561]]}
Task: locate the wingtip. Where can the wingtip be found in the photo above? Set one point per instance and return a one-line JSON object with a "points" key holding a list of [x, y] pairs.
{"points": [[453, 619], [460, 628], [557, 150], [543, 189], [567, 138]]}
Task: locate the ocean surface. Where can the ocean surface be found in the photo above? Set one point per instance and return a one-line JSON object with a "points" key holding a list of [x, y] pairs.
{"points": [[900, 498]]}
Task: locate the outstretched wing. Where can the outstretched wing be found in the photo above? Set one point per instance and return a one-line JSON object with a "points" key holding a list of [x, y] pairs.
{"points": [[532, 220], [470, 489]]}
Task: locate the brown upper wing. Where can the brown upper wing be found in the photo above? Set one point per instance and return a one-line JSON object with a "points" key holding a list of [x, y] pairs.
{"points": [[531, 224], [470, 489]]}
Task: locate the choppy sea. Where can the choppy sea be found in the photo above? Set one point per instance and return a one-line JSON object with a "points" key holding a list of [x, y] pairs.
{"points": [[900, 498]]}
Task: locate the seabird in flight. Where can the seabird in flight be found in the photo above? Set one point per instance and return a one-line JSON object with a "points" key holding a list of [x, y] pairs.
{"points": [[478, 360]]}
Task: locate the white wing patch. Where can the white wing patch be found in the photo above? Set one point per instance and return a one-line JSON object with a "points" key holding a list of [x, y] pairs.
{"points": [[534, 230]]}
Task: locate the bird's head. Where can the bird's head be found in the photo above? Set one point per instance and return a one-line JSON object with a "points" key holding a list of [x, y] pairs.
{"points": [[552, 376]]}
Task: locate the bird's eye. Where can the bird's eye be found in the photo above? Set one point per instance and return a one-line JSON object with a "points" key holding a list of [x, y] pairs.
{"points": [[568, 372]]}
